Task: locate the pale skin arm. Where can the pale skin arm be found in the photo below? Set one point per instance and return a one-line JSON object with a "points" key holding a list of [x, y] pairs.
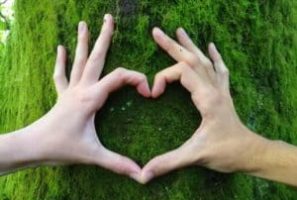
{"points": [[66, 134], [221, 142]]}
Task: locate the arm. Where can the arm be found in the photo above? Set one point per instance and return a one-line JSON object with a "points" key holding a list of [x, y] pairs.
{"points": [[19, 149], [277, 161], [221, 142], [66, 134]]}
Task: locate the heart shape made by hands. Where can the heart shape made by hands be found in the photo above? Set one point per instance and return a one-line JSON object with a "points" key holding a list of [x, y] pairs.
{"points": [[207, 81], [192, 64], [142, 128]]}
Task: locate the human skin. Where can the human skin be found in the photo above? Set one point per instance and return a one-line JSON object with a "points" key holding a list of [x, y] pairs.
{"points": [[66, 134], [221, 142]]}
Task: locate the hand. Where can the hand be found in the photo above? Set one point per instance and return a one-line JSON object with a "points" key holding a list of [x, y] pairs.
{"points": [[221, 141], [67, 133]]}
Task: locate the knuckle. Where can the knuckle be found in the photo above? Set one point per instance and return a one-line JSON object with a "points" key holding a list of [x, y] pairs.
{"points": [[183, 80], [97, 56], [80, 61], [168, 47], [208, 64], [193, 59], [120, 72], [142, 77], [84, 99], [225, 72]]}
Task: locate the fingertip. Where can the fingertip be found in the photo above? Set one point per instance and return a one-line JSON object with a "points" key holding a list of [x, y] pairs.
{"points": [[213, 52], [134, 171], [107, 17], [146, 176], [61, 53], [136, 176], [144, 89], [156, 92], [158, 33], [179, 29], [181, 32], [82, 27], [108, 20], [155, 29], [158, 88], [211, 47], [154, 32], [59, 48]]}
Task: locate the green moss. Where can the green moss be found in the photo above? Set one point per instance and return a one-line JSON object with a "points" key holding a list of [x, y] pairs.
{"points": [[257, 39]]}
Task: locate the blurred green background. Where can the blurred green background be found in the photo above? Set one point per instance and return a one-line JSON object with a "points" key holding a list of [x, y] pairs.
{"points": [[257, 38]]}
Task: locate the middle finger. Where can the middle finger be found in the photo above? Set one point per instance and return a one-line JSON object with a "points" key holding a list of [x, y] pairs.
{"points": [[96, 60]]}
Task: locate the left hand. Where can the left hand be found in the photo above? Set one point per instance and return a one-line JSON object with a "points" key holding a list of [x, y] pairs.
{"points": [[67, 133]]}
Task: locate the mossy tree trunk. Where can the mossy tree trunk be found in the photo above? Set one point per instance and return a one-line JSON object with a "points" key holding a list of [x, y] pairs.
{"points": [[257, 39]]}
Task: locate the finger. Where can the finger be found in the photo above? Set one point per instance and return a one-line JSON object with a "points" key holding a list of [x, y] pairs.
{"points": [[118, 164], [167, 162], [175, 50], [81, 55], [220, 67], [61, 82], [186, 41], [96, 60], [180, 72], [121, 77]]}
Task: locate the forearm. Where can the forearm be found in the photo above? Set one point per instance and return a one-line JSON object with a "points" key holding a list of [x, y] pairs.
{"points": [[273, 160], [19, 149]]}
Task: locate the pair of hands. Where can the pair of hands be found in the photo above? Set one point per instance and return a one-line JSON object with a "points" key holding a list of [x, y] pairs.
{"points": [[219, 143]]}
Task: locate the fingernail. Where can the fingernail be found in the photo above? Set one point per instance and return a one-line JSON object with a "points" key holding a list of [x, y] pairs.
{"points": [[158, 32], [106, 16], [183, 32], [59, 48], [81, 27], [212, 45]]}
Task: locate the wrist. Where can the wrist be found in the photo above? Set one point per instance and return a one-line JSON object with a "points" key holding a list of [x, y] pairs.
{"points": [[255, 149], [18, 150]]}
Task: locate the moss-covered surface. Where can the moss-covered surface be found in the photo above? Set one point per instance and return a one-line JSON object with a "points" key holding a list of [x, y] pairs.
{"points": [[257, 39]]}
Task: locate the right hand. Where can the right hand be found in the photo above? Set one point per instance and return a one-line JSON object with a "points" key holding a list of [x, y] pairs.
{"points": [[221, 142]]}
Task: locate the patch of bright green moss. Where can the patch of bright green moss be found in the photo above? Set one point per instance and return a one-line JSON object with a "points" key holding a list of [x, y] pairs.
{"points": [[258, 40]]}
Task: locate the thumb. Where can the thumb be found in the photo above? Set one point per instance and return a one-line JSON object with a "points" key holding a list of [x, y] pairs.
{"points": [[162, 164], [119, 164]]}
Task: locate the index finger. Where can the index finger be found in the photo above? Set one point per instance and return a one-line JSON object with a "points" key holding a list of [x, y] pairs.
{"points": [[175, 50], [121, 77], [182, 72]]}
